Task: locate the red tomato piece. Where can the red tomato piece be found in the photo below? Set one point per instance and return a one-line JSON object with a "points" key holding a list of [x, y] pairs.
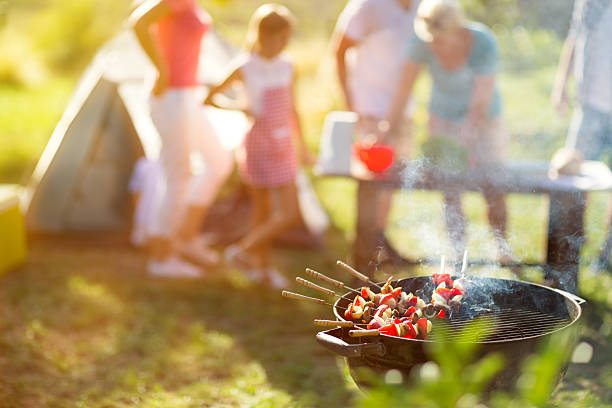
{"points": [[441, 314]]}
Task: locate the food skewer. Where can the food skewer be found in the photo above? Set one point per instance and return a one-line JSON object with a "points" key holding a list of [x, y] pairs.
{"points": [[334, 282], [356, 274], [314, 286], [297, 296]]}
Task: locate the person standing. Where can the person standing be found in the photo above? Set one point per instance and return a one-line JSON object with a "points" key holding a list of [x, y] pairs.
{"points": [[369, 42], [170, 32], [587, 52], [268, 160], [465, 105]]}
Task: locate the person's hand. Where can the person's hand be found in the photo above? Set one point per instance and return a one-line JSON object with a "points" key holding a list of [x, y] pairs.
{"points": [[161, 84]]}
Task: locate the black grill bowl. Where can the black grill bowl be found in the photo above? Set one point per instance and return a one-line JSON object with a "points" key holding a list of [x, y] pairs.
{"points": [[517, 316]]}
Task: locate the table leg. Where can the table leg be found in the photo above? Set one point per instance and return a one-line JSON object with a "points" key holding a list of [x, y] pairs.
{"points": [[565, 238]]}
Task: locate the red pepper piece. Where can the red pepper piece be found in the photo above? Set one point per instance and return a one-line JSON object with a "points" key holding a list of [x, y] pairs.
{"points": [[397, 292], [455, 292], [410, 332], [388, 299], [375, 323], [412, 301], [410, 311], [348, 312], [364, 293], [380, 309], [444, 292], [422, 326], [438, 278], [390, 330], [441, 314]]}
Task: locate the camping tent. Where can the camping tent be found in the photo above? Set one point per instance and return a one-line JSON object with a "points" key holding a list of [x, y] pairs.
{"points": [[80, 182]]}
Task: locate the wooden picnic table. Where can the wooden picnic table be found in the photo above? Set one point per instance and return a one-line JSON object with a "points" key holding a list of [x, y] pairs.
{"points": [[567, 200]]}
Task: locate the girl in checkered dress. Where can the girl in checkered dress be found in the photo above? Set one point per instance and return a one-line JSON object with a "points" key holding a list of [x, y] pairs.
{"points": [[267, 159]]}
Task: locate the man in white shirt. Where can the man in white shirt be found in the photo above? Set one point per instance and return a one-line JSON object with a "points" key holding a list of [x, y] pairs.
{"points": [[370, 45], [588, 51]]}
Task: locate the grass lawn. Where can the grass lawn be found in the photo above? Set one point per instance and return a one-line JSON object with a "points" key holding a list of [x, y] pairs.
{"points": [[82, 325]]}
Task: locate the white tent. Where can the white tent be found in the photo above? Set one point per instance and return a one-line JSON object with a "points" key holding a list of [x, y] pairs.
{"points": [[80, 182]]}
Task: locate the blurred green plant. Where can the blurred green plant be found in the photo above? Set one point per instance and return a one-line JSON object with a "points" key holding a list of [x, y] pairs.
{"points": [[454, 380]]}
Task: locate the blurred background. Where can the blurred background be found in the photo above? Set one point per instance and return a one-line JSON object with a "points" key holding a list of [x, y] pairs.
{"points": [[83, 329]]}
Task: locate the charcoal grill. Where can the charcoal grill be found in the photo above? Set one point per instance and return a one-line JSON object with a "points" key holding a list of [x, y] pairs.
{"points": [[516, 316]]}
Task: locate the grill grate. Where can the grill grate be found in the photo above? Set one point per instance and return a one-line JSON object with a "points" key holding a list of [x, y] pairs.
{"points": [[499, 325]]}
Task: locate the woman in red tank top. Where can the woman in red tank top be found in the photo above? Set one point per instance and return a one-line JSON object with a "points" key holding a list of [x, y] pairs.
{"points": [[170, 32]]}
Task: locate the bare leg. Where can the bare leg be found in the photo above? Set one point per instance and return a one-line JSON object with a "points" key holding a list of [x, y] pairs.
{"points": [[496, 211], [373, 207], [159, 248], [261, 212], [498, 219], [192, 222], [284, 214]]}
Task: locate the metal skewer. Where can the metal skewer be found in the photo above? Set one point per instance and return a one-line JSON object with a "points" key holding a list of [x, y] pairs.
{"points": [[314, 286], [329, 280], [356, 274]]}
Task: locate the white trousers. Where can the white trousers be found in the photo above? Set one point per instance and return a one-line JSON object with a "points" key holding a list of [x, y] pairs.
{"points": [[194, 163]]}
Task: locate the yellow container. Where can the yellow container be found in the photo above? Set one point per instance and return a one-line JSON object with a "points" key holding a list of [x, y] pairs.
{"points": [[12, 230]]}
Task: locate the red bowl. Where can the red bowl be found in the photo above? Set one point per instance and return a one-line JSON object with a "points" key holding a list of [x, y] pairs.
{"points": [[377, 158]]}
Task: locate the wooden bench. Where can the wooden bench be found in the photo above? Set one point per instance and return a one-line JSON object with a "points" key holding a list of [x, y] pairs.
{"points": [[567, 198]]}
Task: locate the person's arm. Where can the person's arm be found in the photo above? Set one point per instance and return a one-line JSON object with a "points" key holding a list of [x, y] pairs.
{"points": [[558, 95], [141, 20], [342, 44], [480, 100], [234, 76], [306, 156], [409, 75]]}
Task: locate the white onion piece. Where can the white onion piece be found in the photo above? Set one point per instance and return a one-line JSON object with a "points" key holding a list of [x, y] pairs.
{"points": [[439, 300]]}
